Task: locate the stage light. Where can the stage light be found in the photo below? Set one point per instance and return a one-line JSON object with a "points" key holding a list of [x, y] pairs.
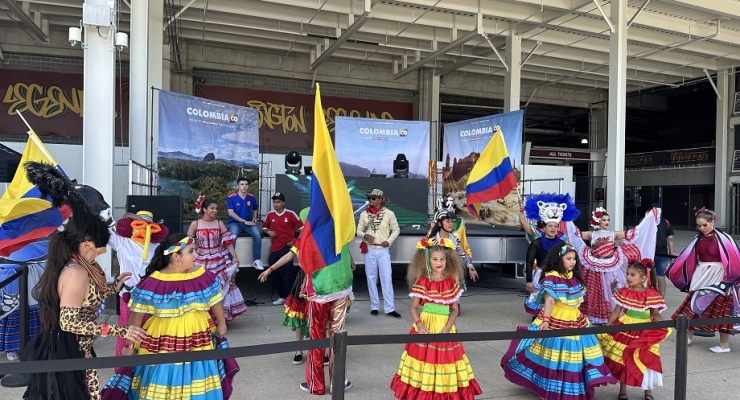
{"points": [[293, 163], [401, 167]]}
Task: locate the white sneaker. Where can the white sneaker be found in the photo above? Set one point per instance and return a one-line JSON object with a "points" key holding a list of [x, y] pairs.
{"points": [[717, 349], [278, 302], [258, 265], [12, 355]]}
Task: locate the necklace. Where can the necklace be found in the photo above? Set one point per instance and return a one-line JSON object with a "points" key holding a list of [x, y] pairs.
{"points": [[94, 271]]}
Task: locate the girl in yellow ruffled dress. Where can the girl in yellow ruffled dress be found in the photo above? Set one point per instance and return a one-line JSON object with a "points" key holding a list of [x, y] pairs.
{"points": [[438, 370]]}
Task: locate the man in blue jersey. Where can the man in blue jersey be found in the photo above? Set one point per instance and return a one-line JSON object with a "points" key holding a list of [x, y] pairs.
{"points": [[243, 216]]}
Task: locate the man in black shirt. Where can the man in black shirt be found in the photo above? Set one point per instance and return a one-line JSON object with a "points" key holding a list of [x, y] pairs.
{"points": [[663, 248]]}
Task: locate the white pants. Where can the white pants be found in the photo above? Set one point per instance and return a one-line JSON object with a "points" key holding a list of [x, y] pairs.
{"points": [[378, 261]]}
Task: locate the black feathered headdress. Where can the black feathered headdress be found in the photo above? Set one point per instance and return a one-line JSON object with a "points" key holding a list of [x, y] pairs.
{"points": [[52, 183]]}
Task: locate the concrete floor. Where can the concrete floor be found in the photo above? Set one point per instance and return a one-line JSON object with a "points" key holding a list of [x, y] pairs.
{"points": [[494, 303]]}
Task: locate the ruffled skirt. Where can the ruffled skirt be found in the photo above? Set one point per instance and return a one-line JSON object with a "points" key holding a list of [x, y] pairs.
{"points": [[633, 357], [225, 270], [434, 371], [558, 368], [10, 328], [58, 345]]}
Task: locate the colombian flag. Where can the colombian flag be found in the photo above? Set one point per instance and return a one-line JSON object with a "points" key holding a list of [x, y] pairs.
{"points": [[330, 223], [492, 177], [24, 217]]}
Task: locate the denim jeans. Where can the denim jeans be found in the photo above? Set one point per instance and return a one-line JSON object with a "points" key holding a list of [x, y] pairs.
{"points": [[661, 263], [238, 227]]}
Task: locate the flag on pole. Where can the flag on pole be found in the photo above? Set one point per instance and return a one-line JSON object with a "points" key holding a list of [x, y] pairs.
{"points": [[24, 217], [330, 223], [492, 176]]}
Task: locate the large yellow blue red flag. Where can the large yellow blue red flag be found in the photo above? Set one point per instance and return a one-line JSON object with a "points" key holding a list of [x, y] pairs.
{"points": [[24, 217], [330, 223], [492, 176]]}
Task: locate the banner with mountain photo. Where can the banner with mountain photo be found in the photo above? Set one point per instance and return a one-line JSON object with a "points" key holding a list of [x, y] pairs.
{"points": [[368, 146], [463, 144], [204, 145]]}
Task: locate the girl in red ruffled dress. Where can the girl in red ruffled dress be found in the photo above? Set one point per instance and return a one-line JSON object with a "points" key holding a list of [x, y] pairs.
{"points": [[634, 356], [439, 369]]}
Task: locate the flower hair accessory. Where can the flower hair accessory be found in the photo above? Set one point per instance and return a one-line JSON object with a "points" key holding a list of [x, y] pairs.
{"points": [[199, 204], [187, 240], [705, 210], [426, 243], [566, 249], [596, 217]]}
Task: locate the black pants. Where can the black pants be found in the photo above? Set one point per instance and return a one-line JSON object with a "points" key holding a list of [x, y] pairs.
{"points": [[283, 277]]}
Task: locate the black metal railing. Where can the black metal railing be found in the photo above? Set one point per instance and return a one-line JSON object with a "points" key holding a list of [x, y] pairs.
{"points": [[340, 340]]}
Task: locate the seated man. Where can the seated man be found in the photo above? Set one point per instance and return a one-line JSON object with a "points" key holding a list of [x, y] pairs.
{"points": [[243, 215]]}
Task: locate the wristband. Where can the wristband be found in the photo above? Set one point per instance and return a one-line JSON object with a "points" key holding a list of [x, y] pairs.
{"points": [[546, 319], [104, 328], [417, 322]]}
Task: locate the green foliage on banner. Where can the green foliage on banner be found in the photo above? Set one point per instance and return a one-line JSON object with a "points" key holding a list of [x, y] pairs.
{"points": [[214, 179]]}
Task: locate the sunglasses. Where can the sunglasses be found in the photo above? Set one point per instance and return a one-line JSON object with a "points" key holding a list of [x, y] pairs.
{"points": [[373, 198]]}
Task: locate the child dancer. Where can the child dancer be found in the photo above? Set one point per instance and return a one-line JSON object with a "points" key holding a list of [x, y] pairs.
{"points": [[441, 369], [178, 297], [558, 367], [215, 243], [634, 357]]}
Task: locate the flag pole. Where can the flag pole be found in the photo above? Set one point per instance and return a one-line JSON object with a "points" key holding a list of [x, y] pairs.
{"points": [[32, 135]]}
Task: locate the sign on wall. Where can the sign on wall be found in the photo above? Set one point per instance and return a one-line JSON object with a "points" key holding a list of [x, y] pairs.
{"points": [[367, 146], [286, 119], [52, 102], [462, 145]]}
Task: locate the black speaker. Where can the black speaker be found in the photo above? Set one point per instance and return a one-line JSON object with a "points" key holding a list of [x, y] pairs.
{"points": [[167, 208]]}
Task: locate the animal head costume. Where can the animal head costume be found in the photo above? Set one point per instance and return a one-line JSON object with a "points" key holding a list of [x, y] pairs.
{"points": [[551, 207], [142, 229]]}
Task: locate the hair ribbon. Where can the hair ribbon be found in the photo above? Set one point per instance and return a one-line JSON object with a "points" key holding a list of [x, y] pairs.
{"points": [[187, 240], [567, 248]]}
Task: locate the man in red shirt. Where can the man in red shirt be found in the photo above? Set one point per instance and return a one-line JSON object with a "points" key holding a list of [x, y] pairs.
{"points": [[281, 225]]}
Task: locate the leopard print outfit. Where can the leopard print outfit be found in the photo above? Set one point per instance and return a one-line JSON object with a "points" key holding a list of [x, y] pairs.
{"points": [[81, 321]]}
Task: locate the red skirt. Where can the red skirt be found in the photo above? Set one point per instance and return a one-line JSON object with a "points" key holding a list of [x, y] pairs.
{"points": [[721, 307]]}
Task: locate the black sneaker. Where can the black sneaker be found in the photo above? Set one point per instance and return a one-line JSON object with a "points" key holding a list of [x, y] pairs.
{"points": [[298, 358], [326, 360], [394, 314], [374, 312]]}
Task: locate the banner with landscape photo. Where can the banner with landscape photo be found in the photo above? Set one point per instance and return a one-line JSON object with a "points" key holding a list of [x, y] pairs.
{"points": [[367, 146], [464, 141], [204, 145]]}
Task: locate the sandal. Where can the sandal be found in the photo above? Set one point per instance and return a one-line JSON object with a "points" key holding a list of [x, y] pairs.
{"points": [[649, 397], [623, 396]]}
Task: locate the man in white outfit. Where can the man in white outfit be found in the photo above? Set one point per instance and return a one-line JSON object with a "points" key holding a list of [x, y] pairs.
{"points": [[378, 228]]}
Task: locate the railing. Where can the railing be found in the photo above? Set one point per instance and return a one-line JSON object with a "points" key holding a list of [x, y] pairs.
{"points": [[18, 380], [340, 340]]}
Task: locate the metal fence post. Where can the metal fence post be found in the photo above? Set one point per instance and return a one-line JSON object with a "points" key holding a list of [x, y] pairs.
{"points": [[339, 348], [682, 330]]}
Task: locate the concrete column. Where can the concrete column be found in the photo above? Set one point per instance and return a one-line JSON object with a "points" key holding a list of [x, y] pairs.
{"points": [[617, 114], [98, 122], [722, 152], [146, 41], [513, 77], [429, 108]]}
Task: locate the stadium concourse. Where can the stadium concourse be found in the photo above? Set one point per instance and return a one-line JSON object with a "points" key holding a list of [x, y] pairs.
{"points": [[494, 303]]}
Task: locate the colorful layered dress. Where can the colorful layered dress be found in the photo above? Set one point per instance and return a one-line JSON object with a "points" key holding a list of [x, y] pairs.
{"points": [[605, 264], [179, 306], [562, 368], [438, 370], [214, 256], [10, 316], [633, 357], [296, 307]]}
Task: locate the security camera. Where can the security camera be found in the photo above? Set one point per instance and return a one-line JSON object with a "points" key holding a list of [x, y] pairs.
{"points": [[121, 40], [75, 35]]}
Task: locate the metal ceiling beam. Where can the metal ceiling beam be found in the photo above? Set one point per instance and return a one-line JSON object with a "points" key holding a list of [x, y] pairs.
{"points": [[499, 42], [174, 17], [459, 42], [725, 8], [26, 20], [351, 30]]}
